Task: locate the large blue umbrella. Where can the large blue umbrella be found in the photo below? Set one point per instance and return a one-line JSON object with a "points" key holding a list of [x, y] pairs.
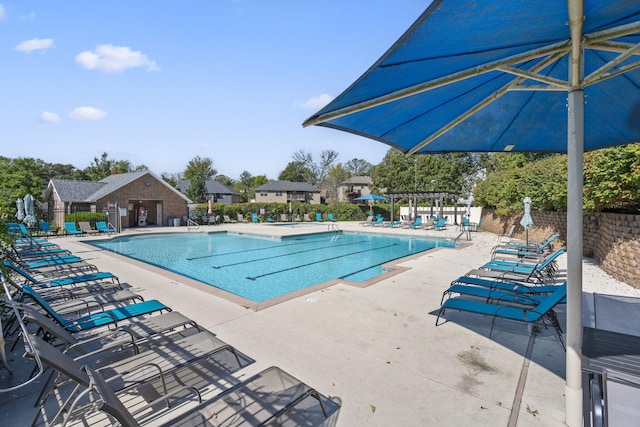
{"points": [[372, 197], [491, 76]]}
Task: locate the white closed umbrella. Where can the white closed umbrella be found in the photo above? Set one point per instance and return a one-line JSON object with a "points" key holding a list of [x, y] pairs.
{"points": [[526, 220], [29, 208]]}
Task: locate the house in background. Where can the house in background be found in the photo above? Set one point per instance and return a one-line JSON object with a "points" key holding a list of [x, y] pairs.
{"points": [[215, 191], [287, 191], [356, 186], [130, 199]]}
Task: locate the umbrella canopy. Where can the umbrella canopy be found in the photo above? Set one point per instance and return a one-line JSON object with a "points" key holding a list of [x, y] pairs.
{"points": [[372, 197], [475, 76], [20, 209], [29, 207]]}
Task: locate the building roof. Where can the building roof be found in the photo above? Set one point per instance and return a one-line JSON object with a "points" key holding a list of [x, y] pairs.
{"points": [[286, 186], [211, 187], [365, 180], [91, 191]]}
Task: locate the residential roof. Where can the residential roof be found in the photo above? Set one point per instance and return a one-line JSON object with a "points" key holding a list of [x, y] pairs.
{"points": [[211, 187], [90, 191], [359, 180], [288, 186]]}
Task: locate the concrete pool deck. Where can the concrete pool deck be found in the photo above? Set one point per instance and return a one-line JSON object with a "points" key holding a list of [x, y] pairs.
{"points": [[376, 348]]}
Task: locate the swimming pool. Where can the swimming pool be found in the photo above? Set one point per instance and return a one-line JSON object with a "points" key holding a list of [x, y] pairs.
{"points": [[262, 268]]}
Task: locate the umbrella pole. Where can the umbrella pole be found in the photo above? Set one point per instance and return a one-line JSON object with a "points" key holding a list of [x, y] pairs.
{"points": [[575, 151]]}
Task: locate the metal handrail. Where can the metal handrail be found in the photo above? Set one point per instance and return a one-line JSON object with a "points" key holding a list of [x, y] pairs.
{"points": [[192, 223]]}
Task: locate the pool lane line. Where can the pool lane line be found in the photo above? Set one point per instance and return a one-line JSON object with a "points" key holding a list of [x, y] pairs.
{"points": [[253, 250], [288, 254], [318, 262]]}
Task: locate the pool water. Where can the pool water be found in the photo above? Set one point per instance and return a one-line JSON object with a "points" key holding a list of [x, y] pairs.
{"points": [[261, 268]]}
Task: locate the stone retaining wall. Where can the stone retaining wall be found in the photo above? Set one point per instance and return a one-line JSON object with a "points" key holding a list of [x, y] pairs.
{"points": [[613, 239]]}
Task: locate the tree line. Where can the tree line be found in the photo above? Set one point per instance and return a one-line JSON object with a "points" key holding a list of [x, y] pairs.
{"points": [[496, 180]]}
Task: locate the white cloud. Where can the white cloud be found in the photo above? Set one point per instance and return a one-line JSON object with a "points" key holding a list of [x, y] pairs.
{"points": [[317, 102], [34, 44], [48, 117], [114, 59], [3, 12], [87, 113]]}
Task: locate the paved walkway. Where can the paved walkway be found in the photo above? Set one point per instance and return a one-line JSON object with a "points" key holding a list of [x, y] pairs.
{"points": [[376, 348]]}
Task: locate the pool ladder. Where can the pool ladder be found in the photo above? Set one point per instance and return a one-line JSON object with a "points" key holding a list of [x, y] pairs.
{"points": [[192, 223], [333, 227]]}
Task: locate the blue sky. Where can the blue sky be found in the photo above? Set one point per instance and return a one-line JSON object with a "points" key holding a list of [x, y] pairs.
{"points": [[159, 83]]}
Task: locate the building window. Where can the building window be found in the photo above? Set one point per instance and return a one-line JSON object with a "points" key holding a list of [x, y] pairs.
{"points": [[278, 193]]}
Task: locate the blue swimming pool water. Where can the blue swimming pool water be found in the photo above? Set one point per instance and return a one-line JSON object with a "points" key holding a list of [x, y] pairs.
{"points": [[262, 268]]}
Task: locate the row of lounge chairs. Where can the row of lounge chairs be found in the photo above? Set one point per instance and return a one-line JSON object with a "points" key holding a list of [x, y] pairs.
{"points": [[419, 224], [519, 286], [117, 359], [44, 229]]}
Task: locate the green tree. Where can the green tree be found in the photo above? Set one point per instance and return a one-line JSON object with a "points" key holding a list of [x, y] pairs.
{"points": [[225, 180], [612, 179], [453, 172], [244, 185], [358, 167], [202, 167], [199, 171], [336, 176], [295, 171], [197, 191]]}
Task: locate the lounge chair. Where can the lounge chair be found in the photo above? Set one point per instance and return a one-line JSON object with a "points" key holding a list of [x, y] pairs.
{"points": [[319, 217], [284, 218], [103, 227], [307, 218], [241, 218], [227, 220], [522, 249], [506, 235], [68, 281], [415, 224], [129, 373], [379, 220], [70, 228], [545, 268], [331, 218], [24, 231], [271, 397], [254, 218], [541, 313], [441, 224], [85, 227], [501, 294], [98, 319], [45, 229]]}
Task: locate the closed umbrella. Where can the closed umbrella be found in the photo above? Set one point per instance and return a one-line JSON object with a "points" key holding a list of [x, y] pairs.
{"points": [[20, 208], [209, 210], [526, 220], [29, 207]]}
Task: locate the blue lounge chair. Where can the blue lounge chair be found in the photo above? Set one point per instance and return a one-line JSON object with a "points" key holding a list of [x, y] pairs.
{"points": [[416, 224], [441, 224], [331, 218], [542, 269], [522, 249], [524, 296], [70, 228], [376, 222], [254, 218], [541, 313], [319, 217], [45, 229], [95, 320], [102, 227]]}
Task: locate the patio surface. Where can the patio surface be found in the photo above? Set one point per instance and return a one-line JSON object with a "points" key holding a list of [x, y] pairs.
{"points": [[376, 348]]}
